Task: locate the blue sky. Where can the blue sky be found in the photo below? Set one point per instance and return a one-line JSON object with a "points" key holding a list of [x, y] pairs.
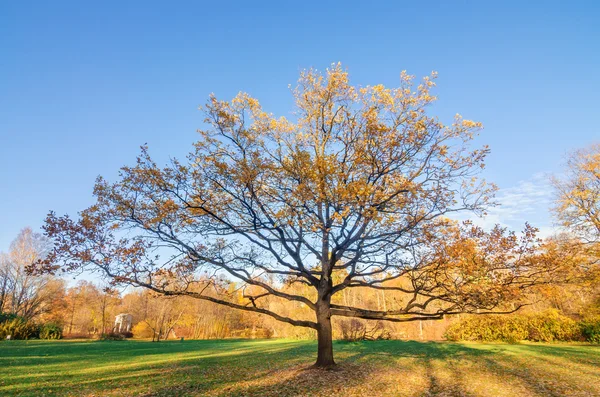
{"points": [[84, 84]]}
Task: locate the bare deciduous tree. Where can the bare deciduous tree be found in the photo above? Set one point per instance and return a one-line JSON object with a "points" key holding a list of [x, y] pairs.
{"points": [[22, 293]]}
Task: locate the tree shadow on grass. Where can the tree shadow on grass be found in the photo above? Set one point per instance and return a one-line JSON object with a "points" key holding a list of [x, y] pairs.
{"points": [[295, 380], [391, 350], [279, 368], [359, 365], [557, 370], [588, 354], [533, 382]]}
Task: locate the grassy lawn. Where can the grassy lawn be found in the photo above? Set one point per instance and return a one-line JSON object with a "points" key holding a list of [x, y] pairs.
{"points": [[279, 368]]}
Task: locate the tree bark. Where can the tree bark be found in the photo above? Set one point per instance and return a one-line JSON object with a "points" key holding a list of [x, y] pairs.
{"points": [[324, 335]]}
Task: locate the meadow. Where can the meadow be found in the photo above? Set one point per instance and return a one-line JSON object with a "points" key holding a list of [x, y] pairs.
{"points": [[282, 368]]}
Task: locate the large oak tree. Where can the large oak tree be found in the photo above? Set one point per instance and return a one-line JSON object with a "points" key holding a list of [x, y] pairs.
{"points": [[360, 184]]}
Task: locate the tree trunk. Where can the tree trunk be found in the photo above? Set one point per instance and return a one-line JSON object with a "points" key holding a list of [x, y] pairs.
{"points": [[72, 317], [324, 335], [103, 317]]}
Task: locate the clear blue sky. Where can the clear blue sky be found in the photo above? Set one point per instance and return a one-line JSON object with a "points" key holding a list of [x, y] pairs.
{"points": [[84, 84]]}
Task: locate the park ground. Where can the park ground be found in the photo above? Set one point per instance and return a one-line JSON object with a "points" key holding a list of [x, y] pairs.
{"points": [[281, 368]]}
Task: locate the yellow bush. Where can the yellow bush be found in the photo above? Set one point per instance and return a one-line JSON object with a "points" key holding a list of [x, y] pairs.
{"points": [[548, 326], [142, 330]]}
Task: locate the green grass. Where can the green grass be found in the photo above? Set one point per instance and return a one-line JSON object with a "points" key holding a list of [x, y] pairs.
{"points": [[280, 368]]}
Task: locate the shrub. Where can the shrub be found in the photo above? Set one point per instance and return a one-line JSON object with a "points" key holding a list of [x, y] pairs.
{"points": [[142, 330], [263, 333], [112, 336], [19, 328], [356, 330], [551, 326], [51, 331], [590, 329], [548, 326], [7, 316], [352, 330], [488, 328]]}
